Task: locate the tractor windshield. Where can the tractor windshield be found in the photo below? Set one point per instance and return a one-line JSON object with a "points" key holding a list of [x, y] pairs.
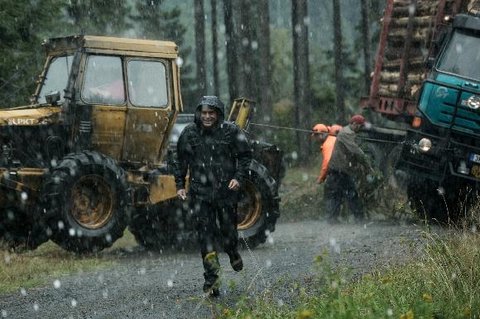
{"points": [[56, 78], [462, 55]]}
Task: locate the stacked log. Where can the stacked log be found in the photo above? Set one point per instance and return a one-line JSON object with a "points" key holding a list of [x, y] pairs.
{"points": [[409, 58]]}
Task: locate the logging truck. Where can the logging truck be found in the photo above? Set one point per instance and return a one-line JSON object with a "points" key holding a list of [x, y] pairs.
{"points": [[427, 76]]}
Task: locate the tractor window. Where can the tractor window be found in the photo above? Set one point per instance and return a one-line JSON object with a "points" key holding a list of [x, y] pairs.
{"points": [[462, 55], [103, 82], [56, 78], [147, 83]]}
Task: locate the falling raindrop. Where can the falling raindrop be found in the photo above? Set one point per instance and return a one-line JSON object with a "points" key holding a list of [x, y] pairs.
{"points": [[71, 232], [268, 263], [142, 271], [179, 62], [334, 284], [8, 259], [411, 9], [270, 240], [170, 283], [441, 191], [389, 312], [4, 313], [57, 284], [74, 303], [24, 196], [23, 292], [105, 294], [60, 225], [35, 306], [280, 302], [294, 155], [108, 237]]}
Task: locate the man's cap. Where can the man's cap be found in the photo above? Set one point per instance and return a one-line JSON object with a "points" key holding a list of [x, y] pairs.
{"points": [[320, 128], [358, 119]]}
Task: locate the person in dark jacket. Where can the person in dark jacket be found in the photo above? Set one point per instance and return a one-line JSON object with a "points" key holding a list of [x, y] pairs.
{"points": [[216, 154], [347, 158]]}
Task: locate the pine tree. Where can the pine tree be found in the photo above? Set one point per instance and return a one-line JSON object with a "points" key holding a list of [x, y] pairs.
{"points": [[158, 23], [104, 17], [23, 25]]}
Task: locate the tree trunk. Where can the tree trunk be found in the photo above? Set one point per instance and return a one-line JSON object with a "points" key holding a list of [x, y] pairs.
{"points": [[247, 40], [301, 84], [200, 47], [337, 48], [216, 83], [231, 49], [265, 64], [366, 45]]}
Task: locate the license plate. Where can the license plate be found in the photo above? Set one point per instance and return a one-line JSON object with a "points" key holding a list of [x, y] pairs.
{"points": [[474, 158]]}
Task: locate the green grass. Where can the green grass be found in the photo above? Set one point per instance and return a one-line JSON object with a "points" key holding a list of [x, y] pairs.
{"points": [[302, 197], [48, 262], [445, 283]]}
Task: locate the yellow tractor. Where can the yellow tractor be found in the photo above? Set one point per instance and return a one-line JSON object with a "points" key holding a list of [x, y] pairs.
{"points": [[86, 158]]}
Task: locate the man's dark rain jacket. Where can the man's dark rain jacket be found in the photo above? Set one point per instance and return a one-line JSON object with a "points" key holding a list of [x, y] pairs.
{"points": [[212, 156]]}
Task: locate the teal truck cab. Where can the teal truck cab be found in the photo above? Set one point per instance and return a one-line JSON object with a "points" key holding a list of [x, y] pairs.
{"points": [[441, 152]]}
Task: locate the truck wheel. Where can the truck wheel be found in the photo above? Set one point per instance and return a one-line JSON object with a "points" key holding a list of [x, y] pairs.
{"points": [[15, 228], [258, 207], [85, 202], [150, 227], [427, 203]]}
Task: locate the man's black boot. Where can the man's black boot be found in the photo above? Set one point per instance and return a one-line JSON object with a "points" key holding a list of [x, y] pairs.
{"points": [[236, 261], [212, 267]]}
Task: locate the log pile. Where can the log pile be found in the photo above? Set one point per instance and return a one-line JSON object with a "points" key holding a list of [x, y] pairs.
{"points": [[409, 38]]}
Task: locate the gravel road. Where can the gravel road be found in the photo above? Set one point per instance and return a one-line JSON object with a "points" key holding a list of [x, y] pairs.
{"points": [[168, 285]]}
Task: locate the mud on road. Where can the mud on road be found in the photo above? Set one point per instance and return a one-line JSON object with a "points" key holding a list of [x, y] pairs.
{"points": [[169, 284]]}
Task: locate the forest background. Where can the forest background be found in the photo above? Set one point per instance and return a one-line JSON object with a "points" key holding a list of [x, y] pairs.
{"points": [[302, 61]]}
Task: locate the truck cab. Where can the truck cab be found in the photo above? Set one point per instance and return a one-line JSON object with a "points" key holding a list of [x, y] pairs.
{"points": [[443, 145]]}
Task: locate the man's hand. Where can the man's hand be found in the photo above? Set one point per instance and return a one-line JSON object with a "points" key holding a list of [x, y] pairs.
{"points": [[182, 194], [234, 185], [320, 181]]}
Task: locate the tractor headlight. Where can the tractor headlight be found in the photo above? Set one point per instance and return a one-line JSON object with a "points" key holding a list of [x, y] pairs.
{"points": [[424, 145]]}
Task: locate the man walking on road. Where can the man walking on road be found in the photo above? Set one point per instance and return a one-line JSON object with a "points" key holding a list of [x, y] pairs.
{"points": [[347, 158], [217, 156]]}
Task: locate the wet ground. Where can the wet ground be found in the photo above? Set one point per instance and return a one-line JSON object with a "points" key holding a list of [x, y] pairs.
{"points": [[168, 284]]}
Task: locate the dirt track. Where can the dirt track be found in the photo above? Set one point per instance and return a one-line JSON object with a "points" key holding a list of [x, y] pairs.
{"points": [[168, 285]]}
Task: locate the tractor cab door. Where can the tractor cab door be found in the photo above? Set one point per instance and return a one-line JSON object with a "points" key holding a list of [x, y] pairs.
{"points": [[150, 111]]}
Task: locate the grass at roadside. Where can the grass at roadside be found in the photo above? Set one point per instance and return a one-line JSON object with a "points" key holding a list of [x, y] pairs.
{"points": [[443, 284], [48, 262], [301, 195]]}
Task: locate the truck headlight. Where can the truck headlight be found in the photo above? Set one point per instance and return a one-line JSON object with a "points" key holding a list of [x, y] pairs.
{"points": [[424, 145]]}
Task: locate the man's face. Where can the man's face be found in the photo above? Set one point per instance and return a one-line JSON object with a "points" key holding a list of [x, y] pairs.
{"points": [[356, 127], [208, 116], [320, 137]]}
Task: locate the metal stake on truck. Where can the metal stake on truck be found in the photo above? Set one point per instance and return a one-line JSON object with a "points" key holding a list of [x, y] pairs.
{"points": [[86, 158], [427, 77]]}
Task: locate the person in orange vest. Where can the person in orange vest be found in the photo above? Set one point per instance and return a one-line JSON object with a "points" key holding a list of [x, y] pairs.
{"points": [[325, 136]]}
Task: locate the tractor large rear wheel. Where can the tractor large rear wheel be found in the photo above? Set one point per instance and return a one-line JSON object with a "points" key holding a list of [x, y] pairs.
{"points": [[86, 202], [258, 208], [158, 227]]}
